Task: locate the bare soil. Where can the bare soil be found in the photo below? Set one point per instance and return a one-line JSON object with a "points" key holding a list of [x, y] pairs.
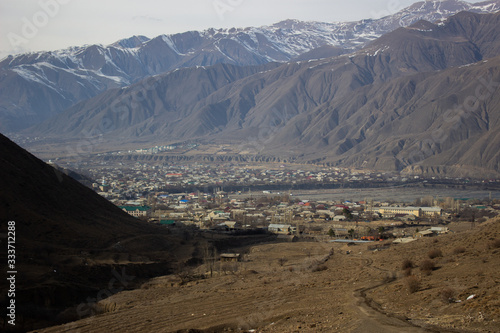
{"points": [[318, 287]]}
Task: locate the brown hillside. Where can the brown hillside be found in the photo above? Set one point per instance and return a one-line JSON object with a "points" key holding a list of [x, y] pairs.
{"points": [[318, 287]]}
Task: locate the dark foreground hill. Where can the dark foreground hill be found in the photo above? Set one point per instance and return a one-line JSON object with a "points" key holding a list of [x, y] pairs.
{"points": [[71, 245]]}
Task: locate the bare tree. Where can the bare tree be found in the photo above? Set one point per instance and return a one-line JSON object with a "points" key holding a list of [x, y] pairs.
{"points": [[210, 257], [183, 272]]}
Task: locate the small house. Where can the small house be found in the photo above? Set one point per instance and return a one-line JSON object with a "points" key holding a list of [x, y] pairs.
{"points": [[230, 257], [281, 228], [424, 233], [440, 230]]}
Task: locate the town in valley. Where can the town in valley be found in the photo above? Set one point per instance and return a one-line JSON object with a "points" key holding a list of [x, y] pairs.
{"points": [[294, 201]]}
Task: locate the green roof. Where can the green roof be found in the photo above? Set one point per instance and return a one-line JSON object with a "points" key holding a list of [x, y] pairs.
{"points": [[167, 222], [134, 208]]}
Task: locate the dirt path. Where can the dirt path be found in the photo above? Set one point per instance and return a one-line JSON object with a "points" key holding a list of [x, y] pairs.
{"points": [[374, 321]]}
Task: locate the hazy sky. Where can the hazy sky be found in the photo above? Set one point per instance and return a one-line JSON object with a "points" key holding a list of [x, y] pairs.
{"points": [[32, 25]]}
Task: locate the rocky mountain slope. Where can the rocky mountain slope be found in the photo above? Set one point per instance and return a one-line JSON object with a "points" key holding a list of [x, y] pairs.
{"points": [[420, 98], [36, 86]]}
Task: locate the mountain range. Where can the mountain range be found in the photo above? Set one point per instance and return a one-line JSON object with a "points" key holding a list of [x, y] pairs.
{"points": [[419, 99], [38, 85]]}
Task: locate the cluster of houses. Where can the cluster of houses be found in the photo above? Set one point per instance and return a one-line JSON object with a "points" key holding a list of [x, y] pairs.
{"points": [[131, 182], [285, 215], [148, 191], [288, 216]]}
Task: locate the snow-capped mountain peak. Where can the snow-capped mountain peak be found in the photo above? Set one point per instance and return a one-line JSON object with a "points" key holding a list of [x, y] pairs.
{"points": [[40, 84]]}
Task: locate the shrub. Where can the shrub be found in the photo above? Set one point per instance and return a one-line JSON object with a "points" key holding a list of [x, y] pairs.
{"points": [[407, 263], [448, 260], [319, 268], [447, 295], [435, 253], [407, 272], [413, 284], [459, 250], [427, 266], [282, 261], [495, 244]]}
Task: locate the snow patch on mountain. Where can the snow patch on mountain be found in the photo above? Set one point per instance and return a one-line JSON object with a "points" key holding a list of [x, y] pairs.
{"points": [[124, 62]]}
